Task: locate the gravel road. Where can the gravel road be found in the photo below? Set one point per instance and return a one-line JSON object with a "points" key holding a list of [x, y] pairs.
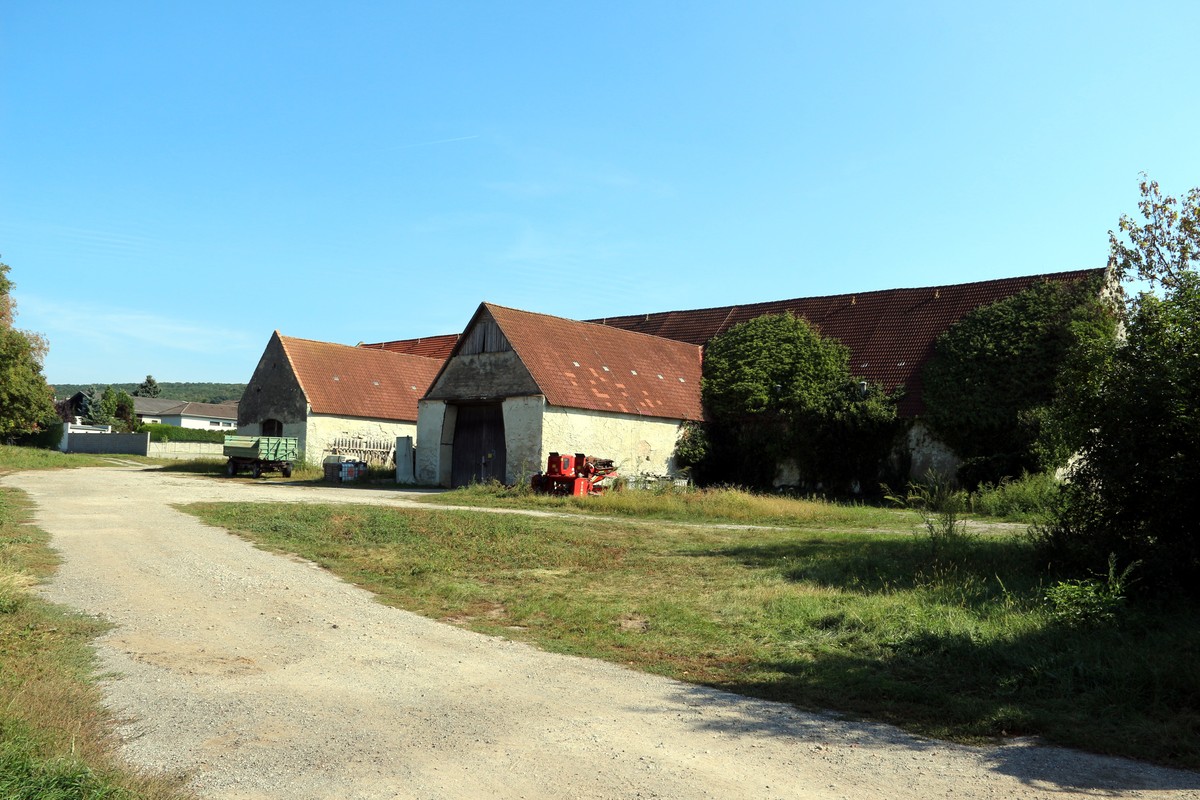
{"points": [[263, 676]]}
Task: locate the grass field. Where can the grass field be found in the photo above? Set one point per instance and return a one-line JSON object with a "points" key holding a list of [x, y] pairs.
{"points": [[960, 645]]}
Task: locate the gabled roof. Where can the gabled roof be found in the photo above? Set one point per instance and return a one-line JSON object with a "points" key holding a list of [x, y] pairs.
{"points": [[208, 410], [358, 382], [890, 333], [162, 407], [438, 347], [602, 368], [153, 406]]}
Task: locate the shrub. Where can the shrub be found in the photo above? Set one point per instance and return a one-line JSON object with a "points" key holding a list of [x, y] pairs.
{"points": [[174, 433], [1032, 497], [1090, 601]]}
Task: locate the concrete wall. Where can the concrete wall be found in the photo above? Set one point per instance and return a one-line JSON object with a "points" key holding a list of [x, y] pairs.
{"points": [[129, 444], [186, 450], [637, 445]]}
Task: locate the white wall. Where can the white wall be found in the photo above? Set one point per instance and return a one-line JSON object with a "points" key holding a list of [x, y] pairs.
{"points": [[637, 445], [322, 430], [930, 454], [200, 423], [431, 420], [523, 437]]}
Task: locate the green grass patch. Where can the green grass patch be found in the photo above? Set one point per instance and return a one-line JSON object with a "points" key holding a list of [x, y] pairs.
{"points": [[14, 457], [721, 505], [55, 739], [963, 648]]}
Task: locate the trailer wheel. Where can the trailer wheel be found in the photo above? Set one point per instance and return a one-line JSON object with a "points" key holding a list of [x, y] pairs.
{"points": [[257, 470], [287, 470], [230, 468]]}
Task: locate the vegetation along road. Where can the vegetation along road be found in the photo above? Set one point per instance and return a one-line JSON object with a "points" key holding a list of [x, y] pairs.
{"points": [[262, 676]]}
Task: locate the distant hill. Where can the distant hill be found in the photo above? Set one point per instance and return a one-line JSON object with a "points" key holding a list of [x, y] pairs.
{"points": [[192, 392]]}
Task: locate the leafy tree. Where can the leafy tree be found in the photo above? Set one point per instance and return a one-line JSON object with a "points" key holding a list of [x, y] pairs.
{"points": [[775, 390], [26, 402], [123, 411], [1134, 489], [147, 388], [994, 376]]}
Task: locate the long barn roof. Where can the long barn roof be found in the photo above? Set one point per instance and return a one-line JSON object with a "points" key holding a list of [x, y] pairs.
{"points": [[438, 347], [890, 333]]}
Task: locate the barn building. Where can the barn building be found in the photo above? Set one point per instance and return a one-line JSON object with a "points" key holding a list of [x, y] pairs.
{"points": [[519, 385], [335, 398]]}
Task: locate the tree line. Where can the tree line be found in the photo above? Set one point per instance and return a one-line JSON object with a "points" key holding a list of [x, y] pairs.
{"points": [[193, 392]]}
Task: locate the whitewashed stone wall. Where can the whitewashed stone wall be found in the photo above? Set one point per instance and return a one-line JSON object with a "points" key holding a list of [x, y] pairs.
{"points": [[523, 437], [930, 454], [434, 439], [637, 445], [322, 430]]}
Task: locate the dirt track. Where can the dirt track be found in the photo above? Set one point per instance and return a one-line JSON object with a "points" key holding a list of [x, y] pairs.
{"points": [[265, 677]]}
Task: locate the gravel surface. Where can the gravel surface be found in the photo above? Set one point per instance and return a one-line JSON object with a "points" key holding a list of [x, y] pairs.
{"points": [[263, 676]]}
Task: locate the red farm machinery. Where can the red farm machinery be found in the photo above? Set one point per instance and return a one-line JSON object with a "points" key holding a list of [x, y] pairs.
{"points": [[577, 475]]}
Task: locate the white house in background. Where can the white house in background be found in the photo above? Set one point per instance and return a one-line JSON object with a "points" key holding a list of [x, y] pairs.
{"points": [[335, 398], [204, 416], [519, 385]]}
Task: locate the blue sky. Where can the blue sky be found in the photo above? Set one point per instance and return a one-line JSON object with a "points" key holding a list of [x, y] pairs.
{"points": [[178, 180]]}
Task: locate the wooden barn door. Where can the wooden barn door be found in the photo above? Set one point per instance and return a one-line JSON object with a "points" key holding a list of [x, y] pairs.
{"points": [[478, 445]]}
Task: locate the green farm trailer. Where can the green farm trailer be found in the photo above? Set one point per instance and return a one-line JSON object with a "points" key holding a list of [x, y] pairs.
{"points": [[259, 454]]}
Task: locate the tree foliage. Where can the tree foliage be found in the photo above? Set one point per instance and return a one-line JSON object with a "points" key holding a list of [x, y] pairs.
{"points": [[26, 402], [1165, 245], [147, 388], [1134, 489], [994, 376], [776, 391]]}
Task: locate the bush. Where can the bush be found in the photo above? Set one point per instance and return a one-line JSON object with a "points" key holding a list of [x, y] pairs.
{"points": [[1030, 498], [47, 438], [1090, 601], [173, 433]]}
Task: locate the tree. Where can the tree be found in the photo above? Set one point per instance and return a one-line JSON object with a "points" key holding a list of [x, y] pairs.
{"points": [[1134, 489], [123, 411], [99, 407], [147, 388], [1166, 245], [776, 391], [994, 375], [26, 402]]}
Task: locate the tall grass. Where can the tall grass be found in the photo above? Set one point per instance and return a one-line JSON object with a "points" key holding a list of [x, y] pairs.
{"points": [[964, 647], [1030, 498], [721, 504], [14, 457]]}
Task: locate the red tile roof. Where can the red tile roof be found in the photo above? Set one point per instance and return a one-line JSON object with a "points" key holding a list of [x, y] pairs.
{"points": [[359, 382], [603, 368], [890, 333], [438, 347]]}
